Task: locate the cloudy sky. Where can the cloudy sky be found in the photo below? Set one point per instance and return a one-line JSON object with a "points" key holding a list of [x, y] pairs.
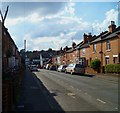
{"points": [[56, 24]]}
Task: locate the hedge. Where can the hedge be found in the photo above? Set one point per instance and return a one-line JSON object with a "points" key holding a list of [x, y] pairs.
{"points": [[95, 64], [112, 68]]}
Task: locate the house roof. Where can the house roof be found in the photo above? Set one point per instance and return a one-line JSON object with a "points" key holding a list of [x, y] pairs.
{"points": [[85, 45], [70, 50], [107, 35], [79, 45]]}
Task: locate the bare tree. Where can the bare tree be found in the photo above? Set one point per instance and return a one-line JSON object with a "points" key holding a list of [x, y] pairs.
{"points": [[4, 17]]}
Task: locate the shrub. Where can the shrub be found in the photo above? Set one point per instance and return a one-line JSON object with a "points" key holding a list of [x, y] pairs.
{"points": [[95, 64], [112, 68]]}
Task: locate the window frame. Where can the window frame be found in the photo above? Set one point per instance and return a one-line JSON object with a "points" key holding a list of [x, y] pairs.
{"points": [[108, 45], [83, 51], [107, 60], [94, 47]]}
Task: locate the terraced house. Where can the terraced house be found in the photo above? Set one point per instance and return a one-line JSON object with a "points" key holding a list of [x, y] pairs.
{"points": [[105, 47], [10, 54]]}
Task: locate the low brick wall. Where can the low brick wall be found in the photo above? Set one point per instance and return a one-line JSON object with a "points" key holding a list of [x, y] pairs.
{"points": [[10, 90], [91, 70], [7, 95]]}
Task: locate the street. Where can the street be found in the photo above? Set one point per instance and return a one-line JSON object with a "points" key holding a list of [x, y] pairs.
{"points": [[78, 93]]}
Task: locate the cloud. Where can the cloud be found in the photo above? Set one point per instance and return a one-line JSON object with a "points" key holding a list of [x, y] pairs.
{"points": [[49, 42], [23, 9], [111, 15], [50, 27], [14, 21]]}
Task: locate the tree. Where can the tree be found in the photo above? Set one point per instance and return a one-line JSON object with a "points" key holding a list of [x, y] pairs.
{"points": [[50, 49], [3, 18]]}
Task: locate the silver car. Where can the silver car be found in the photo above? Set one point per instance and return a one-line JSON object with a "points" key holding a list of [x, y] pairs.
{"points": [[75, 68], [61, 68]]}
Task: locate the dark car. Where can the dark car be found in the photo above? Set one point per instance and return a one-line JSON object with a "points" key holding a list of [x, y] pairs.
{"points": [[53, 67]]}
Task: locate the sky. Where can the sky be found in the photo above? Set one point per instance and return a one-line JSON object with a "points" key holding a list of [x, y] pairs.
{"points": [[54, 25]]}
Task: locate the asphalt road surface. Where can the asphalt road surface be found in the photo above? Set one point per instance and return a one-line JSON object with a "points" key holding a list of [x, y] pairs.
{"points": [[78, 92]]}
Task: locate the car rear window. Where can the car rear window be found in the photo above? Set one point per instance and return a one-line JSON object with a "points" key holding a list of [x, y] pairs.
{"points": [[64, 66], [79, 66]]}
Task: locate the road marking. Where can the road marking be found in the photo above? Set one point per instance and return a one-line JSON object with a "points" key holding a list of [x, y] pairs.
{"points": [[101, 101], [70, 94], [73, 97], [71, 86], [34, 87], [20, 106]]}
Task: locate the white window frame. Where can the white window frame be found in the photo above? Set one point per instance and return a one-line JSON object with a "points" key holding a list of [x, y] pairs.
{"points": [[108, 45], [94, 47], [106, 60], [83, 51]]}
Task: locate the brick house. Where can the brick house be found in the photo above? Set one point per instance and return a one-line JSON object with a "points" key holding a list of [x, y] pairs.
{"points": [[10, 54], [84, 49], [106, 46], [71, 54]]}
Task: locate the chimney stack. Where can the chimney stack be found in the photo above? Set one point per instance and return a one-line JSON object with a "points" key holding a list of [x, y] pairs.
{"points": [[89, 36], [85, 38], [112, 27], [73, 45]]}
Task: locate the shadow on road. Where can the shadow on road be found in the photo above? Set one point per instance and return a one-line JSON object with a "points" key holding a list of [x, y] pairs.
{"points": [[49, 96], [85, 75], [34, 96]]}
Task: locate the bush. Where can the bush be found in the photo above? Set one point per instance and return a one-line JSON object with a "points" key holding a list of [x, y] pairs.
{"points": [[95, 64], [112, 68]]}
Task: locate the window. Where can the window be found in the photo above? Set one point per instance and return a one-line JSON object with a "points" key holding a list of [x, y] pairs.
{"points": [[94, 47], [79, 66], [4, 33], [115, 60], [83, 51], [107, 60], [108, 45], [77, 52], [90, 59], [82, 61]]}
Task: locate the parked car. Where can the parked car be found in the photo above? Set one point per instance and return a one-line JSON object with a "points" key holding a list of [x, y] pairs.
{"points": [[33, 68], [61, 68], [53, 67], [75, 68], [48, 66]]}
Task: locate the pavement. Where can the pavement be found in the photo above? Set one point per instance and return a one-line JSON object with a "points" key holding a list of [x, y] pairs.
{"points": [[111, 77], [31, 95]]}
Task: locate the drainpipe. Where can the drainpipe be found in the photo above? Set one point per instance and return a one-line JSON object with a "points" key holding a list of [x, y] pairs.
{"points": [[101, 53]]}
